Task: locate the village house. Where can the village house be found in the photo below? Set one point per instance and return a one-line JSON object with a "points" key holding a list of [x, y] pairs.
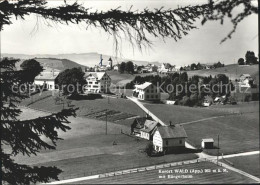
{"points": [[245, 80], [147, 91], [97, 82], [137, 125], [165, 68], [47, 78], [148, 130], [168, 138]]}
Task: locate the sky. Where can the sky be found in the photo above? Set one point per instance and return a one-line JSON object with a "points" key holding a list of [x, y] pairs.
{"points": [[200, 45]]}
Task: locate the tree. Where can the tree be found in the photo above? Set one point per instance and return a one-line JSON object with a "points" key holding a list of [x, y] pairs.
{"points": [[32, 68], [71, 81], [250, 58], [135, 25], [183, 77], [193, 66], [241, 61], [129, 67], [25, 137], [218, 64], [122, 67]]}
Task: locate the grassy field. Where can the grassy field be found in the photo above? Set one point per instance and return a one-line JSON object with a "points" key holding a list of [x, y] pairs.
{"points": [[233, 71], [237, 125], [87, 149], [238, 133], [181, 114], [249, 164], [117, 109], [152, 177]]}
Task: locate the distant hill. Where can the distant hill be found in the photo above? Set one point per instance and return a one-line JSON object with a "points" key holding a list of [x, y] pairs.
{"points": [[233, 71], [55, 63], [85, 59]]}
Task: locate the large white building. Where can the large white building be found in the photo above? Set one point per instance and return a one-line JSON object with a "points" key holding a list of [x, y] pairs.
{"points": [[97, 82], [47, 78], [168, 138], [147, 91]]}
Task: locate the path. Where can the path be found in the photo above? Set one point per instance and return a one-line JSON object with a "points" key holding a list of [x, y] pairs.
{"points": [[155, 118]]}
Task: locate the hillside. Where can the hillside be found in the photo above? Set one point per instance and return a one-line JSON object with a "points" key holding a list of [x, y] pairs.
{"points": [[86, 59], [55, 63], [233, 71]]}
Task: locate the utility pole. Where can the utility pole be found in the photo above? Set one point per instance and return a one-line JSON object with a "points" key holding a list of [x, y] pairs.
{"points": [[106, 121], [218, 150]]}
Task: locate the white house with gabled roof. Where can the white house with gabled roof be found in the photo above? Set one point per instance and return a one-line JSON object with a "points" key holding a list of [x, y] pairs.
{"points": [[47, 78], [97, 82], [169, 137], [147, 91]]}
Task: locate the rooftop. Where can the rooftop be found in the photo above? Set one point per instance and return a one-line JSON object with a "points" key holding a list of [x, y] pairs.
{"points": [[208, 140], [97, 75], [176, 131], [144, 85], [149, 125], [47, 75]]}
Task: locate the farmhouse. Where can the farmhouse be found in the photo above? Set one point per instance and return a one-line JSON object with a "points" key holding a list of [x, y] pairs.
{"points": [[47, 78], [168, 138], [148, 130], [97, 82], [147, 91], [207, 143]]}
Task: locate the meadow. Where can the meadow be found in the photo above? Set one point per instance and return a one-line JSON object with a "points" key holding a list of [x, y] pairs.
{"points": [[236, 125], [86, 149], [249, 164]]}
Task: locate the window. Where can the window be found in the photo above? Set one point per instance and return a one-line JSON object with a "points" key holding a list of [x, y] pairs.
{"points": [[90, 82], [156, 96], [180, 141], [96, 82], [151, 96], [95, 86], [166, 142], [147, 96], [151, 91], [147, 90]]}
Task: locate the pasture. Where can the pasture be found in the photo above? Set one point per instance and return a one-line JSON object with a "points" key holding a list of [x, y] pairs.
{"points": [[152, 176], [249, 164], [237, 125], [238, 133], [113, 109], [233, 71], [86, 149]]}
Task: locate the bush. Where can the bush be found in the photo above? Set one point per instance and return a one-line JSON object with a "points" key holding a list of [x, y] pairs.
{"points": [[248, 98], [149, 149]]}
